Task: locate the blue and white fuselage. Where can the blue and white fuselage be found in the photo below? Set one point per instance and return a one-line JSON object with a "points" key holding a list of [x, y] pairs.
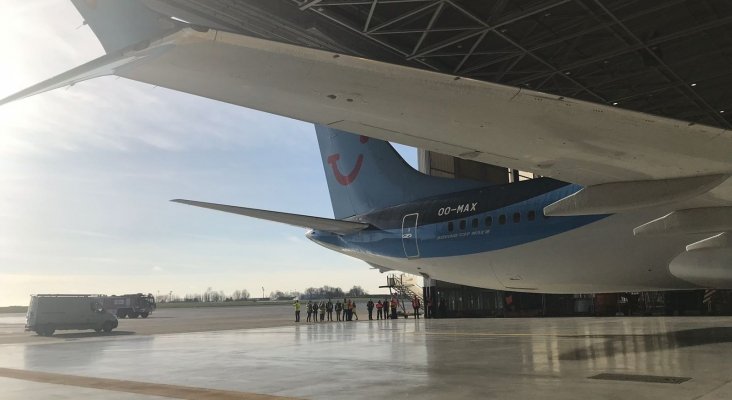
{"points": [[498, 237]]}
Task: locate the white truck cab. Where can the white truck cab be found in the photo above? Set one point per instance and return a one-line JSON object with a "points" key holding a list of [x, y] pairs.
{"points": [[50, 312]]}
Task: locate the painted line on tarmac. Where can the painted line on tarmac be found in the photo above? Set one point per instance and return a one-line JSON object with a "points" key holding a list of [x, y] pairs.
{"points": [[145, 388]]}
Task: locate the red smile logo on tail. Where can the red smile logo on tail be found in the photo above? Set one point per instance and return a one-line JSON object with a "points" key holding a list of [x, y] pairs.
{"points": [[346, 180]]}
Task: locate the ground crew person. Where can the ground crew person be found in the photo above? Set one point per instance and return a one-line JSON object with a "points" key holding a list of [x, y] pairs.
{"points": [[394, 305], [370, 308], [309, 309], [349, 311], [329, 309], [345, 309], [315, 311], [379, 306], [387, 313], [297, 310], [338, 310], [321, 307], [415, 306], [353, 310]]}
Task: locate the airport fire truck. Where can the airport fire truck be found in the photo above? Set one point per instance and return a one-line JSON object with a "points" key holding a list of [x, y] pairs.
{"points": [[130, 305]]}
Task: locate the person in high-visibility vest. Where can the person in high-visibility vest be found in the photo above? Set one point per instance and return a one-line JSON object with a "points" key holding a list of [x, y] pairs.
{"points": [[394, 305], [379, 306], [297, 310], [415, 306]]}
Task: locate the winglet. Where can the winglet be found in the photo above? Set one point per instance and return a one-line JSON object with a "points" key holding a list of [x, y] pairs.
{"points": [[120, 24], [123, 28]]}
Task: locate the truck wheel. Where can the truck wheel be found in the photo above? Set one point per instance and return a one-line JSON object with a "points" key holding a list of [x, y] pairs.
{"points": [[144, 314], [121, 313], [107, 326], [46, 331]]}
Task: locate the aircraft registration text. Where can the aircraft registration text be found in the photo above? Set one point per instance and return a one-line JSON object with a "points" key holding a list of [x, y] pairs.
{"points": [[462, 208]]}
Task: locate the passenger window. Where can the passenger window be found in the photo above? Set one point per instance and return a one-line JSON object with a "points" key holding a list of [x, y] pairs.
{"points": [[488, 221], [502, 219], [462, 224], [516, 217], [475, 223], [450, 227], [532, 215]]}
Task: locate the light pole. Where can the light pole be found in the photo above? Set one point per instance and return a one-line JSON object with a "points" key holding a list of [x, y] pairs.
{"points": [[262, 292]]}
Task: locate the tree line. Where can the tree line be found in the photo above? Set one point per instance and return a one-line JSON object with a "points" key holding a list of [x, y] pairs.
{"points": [[217, 296]]}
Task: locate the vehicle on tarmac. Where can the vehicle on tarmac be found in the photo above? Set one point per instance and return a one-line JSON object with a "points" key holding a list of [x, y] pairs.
{"points": [[48, 313], [130, 305]]}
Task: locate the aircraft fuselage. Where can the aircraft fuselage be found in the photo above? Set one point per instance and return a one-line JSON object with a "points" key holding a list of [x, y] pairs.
{"points": [[498, 237]]}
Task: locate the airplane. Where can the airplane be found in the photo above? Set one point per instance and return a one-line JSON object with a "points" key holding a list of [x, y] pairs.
{"points": [[627, 201]]}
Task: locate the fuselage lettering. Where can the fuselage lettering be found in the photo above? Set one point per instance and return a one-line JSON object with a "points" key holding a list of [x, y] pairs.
{"points": [[467, 207]]}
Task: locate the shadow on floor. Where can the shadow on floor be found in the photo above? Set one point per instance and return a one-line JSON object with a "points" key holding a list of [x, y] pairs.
{"points": [[82, 335], [632, 344]]}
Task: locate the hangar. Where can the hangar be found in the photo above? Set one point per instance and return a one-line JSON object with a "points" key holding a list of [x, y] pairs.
{"points": [[599, 51], [668, 58]]}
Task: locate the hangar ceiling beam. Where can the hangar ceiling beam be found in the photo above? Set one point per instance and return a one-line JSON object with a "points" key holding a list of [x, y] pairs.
{"points": [[365, 34], [371, 15], [683, 85], [635, 47], [431, 24], [488, 28]]}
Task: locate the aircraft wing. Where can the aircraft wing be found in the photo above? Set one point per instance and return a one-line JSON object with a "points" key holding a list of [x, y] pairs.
{"points": [[322, 224], [563, 138]]}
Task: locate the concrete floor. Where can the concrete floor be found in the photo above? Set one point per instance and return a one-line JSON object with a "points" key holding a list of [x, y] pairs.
{"points": [[433, 359]]}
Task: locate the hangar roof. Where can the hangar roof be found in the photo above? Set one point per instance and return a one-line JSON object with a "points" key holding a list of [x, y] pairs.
{"points": [[664, 57]]}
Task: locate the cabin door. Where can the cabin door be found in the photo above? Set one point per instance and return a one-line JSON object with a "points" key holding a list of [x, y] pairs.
{"points": [[409, 235]]}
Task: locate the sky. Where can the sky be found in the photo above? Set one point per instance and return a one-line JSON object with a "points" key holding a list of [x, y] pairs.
{"points": [[87, 172]]}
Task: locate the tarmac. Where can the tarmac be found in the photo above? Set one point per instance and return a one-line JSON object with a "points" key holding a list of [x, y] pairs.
{"points": [[259, 352]]}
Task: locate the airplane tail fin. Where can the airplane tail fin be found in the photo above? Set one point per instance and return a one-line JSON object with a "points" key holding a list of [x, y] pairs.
{"points": [[366, 174]]}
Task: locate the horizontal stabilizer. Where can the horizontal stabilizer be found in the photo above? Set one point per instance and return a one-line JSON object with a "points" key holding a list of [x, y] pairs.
{"points": [[304, 221], [610, 198], [694, 220], [380, 268]]}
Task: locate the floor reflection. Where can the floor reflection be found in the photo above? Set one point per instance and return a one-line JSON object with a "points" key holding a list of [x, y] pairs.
{"points": [[642, 343]]}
